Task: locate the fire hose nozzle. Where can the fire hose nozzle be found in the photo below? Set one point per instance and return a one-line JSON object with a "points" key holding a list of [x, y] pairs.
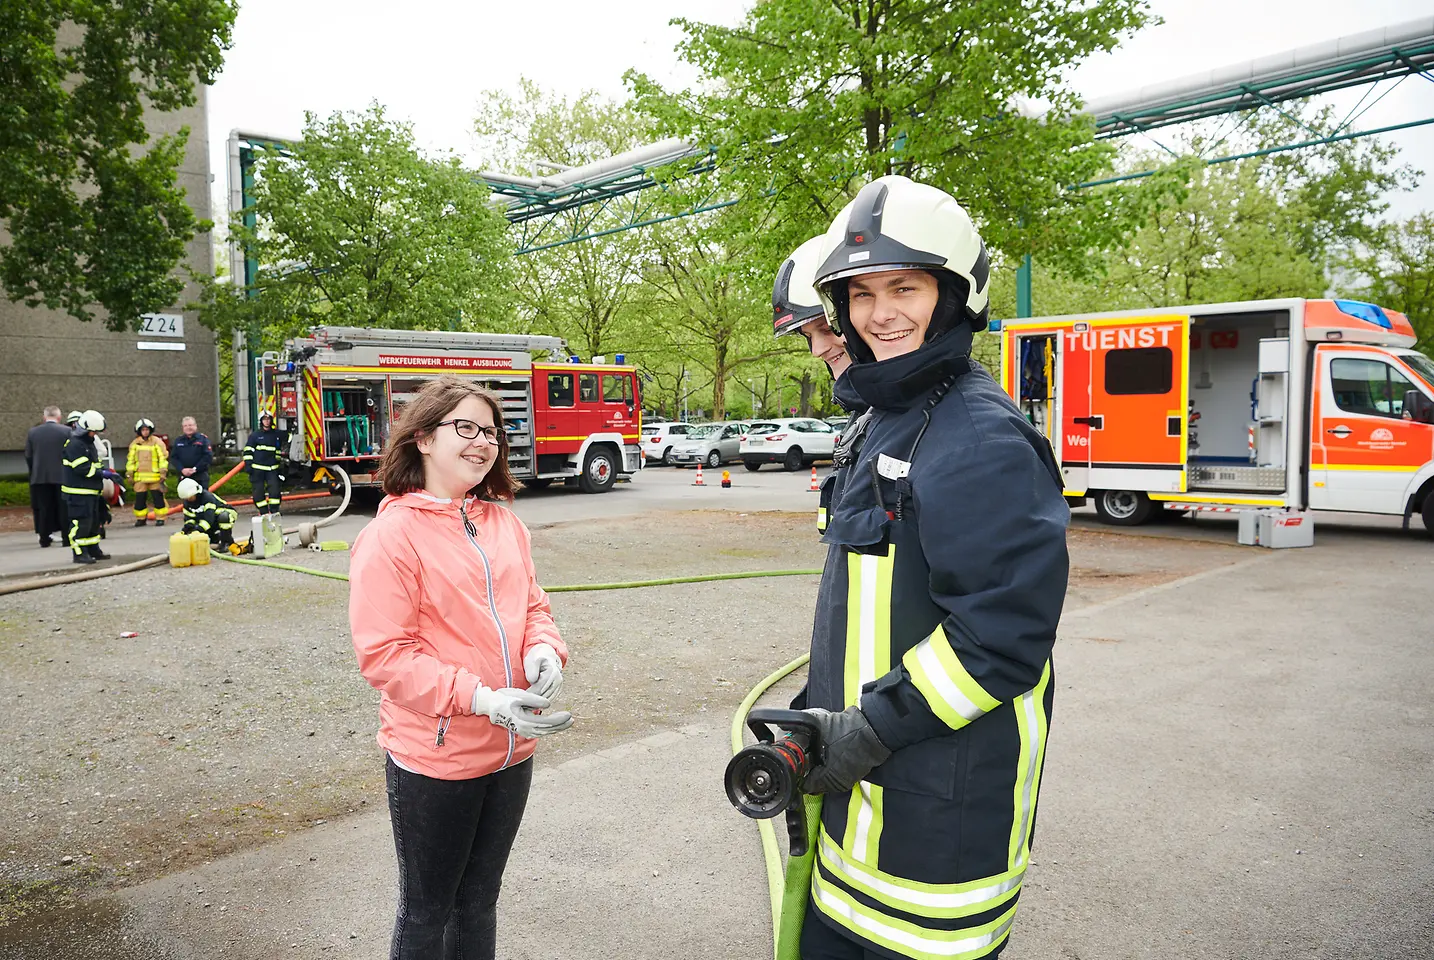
{"points": [[765, 779]]}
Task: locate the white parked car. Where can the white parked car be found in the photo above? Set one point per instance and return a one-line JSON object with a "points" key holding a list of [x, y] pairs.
{"points": [[792, 443], [711, 443], [659, 438]]}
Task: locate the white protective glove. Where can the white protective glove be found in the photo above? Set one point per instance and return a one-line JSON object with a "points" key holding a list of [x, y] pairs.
{"points": [[544, 669], [517, 710]]}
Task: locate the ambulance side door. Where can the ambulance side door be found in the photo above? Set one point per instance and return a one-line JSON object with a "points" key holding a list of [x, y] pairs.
{"points": [[1139, 383]]}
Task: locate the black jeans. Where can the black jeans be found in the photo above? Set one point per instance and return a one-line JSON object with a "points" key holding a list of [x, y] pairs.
{"points": [[452, 839]]}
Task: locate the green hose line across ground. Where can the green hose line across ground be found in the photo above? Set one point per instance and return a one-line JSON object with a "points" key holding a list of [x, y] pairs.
{"points": [[787, 893], [566, 588]]}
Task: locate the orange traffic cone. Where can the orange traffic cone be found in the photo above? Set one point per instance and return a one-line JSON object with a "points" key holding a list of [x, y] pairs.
{"points": [[699, 482], [814, 488]]}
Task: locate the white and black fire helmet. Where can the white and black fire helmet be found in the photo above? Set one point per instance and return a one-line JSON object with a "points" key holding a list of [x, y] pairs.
{"points": [[895, 222], [794, 297]]}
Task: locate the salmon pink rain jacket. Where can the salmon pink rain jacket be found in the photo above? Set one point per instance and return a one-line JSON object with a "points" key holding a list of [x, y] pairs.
{"points": [[442, 598]]}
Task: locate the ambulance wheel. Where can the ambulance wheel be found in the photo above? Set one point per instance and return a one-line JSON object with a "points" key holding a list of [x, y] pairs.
{"points": [[792, 462], [1427, 514], [599, 471], [1123, 508]]}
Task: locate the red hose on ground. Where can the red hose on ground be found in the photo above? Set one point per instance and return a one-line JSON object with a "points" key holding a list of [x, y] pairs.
{"points": [[239, 503]]}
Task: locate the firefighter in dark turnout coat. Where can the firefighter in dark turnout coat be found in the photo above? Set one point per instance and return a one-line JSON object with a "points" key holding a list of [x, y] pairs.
{"points": [[82, 486], [930, 672], [261, 456]]}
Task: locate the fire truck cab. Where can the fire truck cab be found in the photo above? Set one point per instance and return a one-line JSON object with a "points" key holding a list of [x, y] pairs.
{"points": [[339, 391], [1277, 404]]}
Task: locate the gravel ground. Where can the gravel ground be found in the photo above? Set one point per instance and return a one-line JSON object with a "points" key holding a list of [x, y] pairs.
{"points": [[237, 715]]}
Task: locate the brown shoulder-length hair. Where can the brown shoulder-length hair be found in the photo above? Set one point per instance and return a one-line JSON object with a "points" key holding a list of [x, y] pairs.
{"points": [[402, 468]]}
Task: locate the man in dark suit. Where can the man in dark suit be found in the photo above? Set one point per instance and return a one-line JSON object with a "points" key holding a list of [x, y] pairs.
{"points": [[43, 452]]}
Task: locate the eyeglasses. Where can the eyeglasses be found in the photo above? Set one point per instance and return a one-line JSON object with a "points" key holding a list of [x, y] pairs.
{"points": [[469, 430]]}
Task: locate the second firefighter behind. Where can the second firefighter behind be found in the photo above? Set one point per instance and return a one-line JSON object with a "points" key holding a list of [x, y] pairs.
{"points": [[82, 484], [206, 513], [147, 468], [261, 457]]}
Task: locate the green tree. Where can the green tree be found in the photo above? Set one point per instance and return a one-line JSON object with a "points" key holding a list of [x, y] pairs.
{"points": [[589, 292], [355, 226], [804, 102], [1263, 227], [92, 218], [1397, 271]]}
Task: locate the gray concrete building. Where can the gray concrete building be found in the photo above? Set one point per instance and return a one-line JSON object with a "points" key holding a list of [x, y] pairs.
{"points": [[48, 357]]}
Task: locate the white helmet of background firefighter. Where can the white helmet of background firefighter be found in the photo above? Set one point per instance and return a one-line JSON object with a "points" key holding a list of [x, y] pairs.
{"points": [[141, 423], [896, 223], [266, 415], [794, 299], [189, 488], [92, 420], [74, 418]]}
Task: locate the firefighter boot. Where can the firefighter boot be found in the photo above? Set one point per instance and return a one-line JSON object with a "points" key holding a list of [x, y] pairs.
{"points": [[84, 558], [140, 522], [94, 551], [159, 521]]}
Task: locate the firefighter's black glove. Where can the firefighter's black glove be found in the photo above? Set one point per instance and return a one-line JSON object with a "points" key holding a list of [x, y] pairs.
{"points": [[850, 750]]}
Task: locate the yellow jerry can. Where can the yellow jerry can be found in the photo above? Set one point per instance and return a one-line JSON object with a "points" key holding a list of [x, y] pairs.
{"points": [[199, 544], [181, 553]]}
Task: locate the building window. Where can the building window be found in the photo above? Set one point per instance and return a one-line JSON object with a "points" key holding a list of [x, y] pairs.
{"points": [[1139, 370]]}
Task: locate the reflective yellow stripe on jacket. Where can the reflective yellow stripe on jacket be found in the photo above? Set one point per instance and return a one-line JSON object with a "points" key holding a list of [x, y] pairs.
{"points": [[851, 866]]}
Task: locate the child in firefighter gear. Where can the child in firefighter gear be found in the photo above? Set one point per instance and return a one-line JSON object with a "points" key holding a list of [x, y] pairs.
{"points": [[930, 675], [147, 468], [450, 625], [206, 513], [796, 308], [81, 484], [261, 457]]}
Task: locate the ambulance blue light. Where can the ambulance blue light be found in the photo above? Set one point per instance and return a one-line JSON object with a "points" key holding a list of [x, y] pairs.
{"points": [[1367, 312], [993, 326]]}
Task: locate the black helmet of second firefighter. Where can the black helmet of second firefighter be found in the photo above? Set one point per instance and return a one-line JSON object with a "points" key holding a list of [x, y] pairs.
{"points": [[930, 663], [796, 308]]}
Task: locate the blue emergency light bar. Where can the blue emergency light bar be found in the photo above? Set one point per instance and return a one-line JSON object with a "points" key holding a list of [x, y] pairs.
{"points": [[1367, 312]]}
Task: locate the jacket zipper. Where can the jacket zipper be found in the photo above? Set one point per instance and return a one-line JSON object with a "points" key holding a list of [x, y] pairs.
{"points": [[469, 530]]}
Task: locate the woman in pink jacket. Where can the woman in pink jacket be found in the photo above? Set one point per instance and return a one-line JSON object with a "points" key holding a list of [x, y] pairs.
{"points": [[451, 627]]}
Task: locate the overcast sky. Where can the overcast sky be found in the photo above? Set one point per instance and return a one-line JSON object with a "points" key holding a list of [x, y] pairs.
{"points": [[427, 60]]}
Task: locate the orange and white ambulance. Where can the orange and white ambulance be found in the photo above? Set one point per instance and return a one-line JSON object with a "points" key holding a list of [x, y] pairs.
{"points": [[1290, 405]]}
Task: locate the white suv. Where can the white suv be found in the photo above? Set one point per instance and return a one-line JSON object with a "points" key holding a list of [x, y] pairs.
{"points": [[659, 438], [792, 443]]}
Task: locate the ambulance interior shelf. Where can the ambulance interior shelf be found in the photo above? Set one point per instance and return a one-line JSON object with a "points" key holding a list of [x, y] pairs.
{"points": [[352, 426]]}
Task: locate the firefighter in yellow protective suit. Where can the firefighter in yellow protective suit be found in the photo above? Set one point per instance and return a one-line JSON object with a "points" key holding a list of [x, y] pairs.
{"points": [[147, 468]]}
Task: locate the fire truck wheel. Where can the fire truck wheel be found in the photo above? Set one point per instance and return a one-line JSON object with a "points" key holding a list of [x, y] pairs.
{"points": [[538, 483], [1123, 508], [599, 471]]}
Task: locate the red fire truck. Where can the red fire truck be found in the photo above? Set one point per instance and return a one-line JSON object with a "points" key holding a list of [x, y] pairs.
{"points": [[339, 391]]}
